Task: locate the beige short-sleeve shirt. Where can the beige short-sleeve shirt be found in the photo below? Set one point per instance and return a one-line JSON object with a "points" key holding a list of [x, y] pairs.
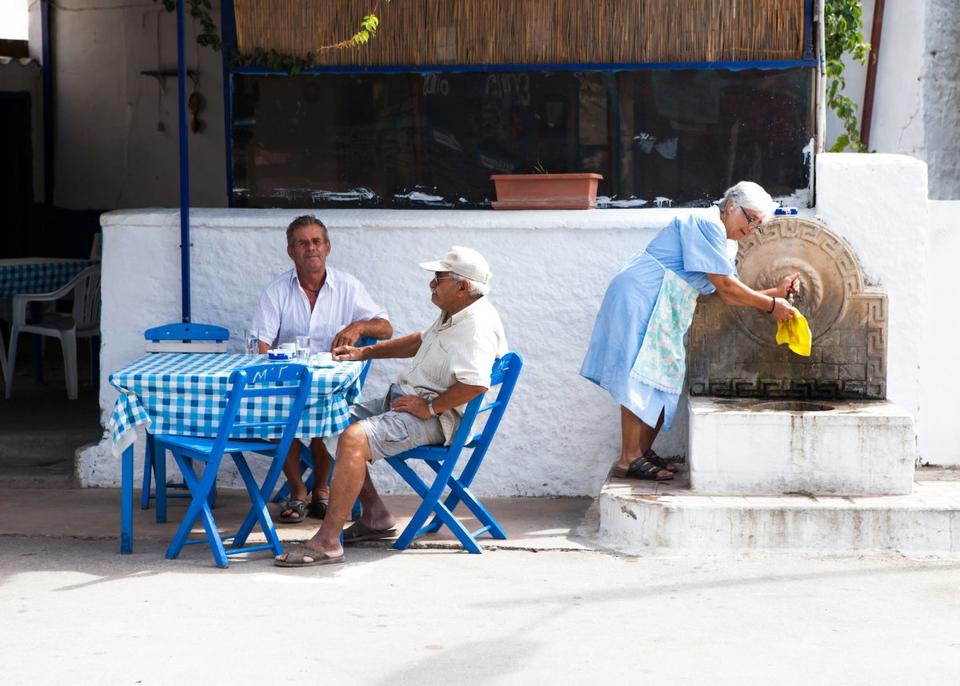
{"points": [[462, 349]]}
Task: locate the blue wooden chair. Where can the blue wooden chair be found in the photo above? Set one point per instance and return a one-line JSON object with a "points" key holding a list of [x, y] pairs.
{"points": [[274, 381], [306, 457], [443, 459], [174, 338]]}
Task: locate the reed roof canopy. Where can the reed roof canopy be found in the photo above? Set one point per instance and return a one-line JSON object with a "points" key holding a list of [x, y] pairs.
{"points": [[561, 32]]}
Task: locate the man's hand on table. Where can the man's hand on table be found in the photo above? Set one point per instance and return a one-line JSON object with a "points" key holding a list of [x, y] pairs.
{"points": [[412, 404], [347, 353], [349, 335]]}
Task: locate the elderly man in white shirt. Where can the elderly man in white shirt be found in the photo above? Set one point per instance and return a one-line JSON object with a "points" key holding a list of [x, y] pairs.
{"points": [[334, 309], [451, 365]]}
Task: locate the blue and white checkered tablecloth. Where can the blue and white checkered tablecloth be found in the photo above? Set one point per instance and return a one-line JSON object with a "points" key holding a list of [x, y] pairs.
{"points": [[185, 394], [37, 274]]}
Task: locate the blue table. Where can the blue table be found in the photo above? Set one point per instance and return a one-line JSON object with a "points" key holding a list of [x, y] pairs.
{"points": [[185, 394]]}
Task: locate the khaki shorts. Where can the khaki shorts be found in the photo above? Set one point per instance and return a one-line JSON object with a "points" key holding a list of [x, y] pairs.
{"points": [[391, 433]]}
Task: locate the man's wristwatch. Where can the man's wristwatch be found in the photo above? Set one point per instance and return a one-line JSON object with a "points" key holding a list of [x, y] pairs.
{"points": [[433, 412]]}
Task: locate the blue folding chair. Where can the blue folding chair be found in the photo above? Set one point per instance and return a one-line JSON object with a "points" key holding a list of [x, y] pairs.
{"points": [[306, 457], [443, 459], [273, 381], [174, 338]]}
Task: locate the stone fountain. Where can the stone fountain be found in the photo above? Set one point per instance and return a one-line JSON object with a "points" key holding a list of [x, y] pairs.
{"points": [[765, 421]]}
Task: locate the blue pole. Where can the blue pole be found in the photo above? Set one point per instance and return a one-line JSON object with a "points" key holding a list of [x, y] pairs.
{"points": [[184, 169]]}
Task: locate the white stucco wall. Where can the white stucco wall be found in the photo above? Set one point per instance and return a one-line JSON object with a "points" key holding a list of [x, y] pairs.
{"points": [[916, 107], [550, 272], [551, 269], [110, 152], [939, 371], [942, 98], [879, 204]]}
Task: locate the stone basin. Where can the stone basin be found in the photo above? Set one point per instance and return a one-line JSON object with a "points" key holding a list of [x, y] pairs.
{"points": [[769, 447]]}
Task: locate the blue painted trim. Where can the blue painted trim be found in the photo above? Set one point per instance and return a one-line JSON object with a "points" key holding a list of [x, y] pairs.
{"points": [[591, 66], [184, 168], [46, 71], [228, 32], [808, 53]]}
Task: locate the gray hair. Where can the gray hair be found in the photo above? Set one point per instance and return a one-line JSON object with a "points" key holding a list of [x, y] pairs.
{"points": [[751, 196], [473, 287], [305, 220]]}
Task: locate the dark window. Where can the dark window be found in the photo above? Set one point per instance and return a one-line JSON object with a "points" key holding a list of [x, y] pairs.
{"points": [[433, 140]]}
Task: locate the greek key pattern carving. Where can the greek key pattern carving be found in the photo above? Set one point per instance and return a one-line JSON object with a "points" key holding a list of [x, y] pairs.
{"points": [[732, 354]]}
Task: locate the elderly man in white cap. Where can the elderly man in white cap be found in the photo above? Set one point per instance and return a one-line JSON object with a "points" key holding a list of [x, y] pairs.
{"points": [[451, 366]]}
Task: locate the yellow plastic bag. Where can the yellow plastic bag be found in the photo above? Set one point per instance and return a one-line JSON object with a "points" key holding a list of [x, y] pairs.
{"points": [[795, 332]]}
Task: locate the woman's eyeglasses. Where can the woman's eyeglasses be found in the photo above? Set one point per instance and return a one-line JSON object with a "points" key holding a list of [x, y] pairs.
{"points": [[751, 220]]}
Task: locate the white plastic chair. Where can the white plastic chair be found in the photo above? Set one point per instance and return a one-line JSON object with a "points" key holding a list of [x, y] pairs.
{"points": [[84, 322]]}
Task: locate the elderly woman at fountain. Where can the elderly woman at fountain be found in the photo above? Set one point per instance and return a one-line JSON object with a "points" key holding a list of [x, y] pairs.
{"points": [[636, 352]]}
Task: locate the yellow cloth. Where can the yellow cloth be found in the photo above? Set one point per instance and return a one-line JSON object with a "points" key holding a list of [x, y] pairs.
{"points": [[795, 332]]}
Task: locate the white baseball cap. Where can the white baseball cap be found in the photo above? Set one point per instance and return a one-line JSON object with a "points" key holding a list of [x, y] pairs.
{"points": [[464, 262]]}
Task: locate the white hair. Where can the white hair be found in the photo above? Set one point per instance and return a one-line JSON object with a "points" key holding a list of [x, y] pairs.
{"points": [[751, 196], [473, 287]]}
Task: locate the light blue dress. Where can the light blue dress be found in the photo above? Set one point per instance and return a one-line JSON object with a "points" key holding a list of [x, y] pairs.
{"points": [[692, 248]]}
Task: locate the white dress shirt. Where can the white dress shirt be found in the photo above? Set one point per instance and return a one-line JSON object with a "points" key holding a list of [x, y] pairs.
{"points": [[461, 349], [283, 312]]}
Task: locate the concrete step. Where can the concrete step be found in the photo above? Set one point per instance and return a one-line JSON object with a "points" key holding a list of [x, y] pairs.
{"points": [[650, 518]]}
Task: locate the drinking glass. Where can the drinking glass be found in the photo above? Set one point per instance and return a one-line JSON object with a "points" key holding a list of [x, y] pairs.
{"points": [[252, 341], [303, 348]]}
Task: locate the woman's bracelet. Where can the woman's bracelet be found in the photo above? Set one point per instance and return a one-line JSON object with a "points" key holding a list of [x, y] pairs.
{"points": [[773, 306]]}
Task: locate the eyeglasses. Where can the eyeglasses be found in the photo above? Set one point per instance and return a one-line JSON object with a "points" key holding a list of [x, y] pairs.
{"points": [[751, 220], [438, 279]]}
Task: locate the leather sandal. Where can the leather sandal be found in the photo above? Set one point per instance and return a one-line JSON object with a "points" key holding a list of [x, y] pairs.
{"points": [[643, 469]]}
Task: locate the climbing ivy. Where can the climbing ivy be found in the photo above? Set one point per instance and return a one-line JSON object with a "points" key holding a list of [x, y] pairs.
{"points": [[199, 10], [843, 20], [210, 37]]}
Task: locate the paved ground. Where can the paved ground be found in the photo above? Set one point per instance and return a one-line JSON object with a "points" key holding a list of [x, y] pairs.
{"points": [[76, 612], [544, 606], [551, 609]]}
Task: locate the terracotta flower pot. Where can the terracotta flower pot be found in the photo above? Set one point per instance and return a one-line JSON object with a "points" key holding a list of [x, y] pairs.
{"points": [[576, 191]]}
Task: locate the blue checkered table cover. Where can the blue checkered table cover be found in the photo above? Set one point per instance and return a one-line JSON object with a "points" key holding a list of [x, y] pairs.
{"points": [[185, 394], [37, 274]]}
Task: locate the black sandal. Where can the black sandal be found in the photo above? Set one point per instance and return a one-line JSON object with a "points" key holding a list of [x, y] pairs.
{"points": [[290, 507], [317, 509], [643, 469], [659, 461]]}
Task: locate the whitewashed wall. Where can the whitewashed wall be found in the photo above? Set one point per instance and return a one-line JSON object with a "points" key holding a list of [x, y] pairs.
{"points": [[551, 269], [916, 108], [939, 369]]}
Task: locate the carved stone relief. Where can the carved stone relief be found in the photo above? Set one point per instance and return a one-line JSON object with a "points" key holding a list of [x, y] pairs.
{"points": [[732, 351]]}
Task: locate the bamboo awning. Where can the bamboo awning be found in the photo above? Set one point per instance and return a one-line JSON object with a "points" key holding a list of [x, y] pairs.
{"points": [[442, 32]]}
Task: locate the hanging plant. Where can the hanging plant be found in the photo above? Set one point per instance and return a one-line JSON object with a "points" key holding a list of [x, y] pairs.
{"points": [[843, 34]]}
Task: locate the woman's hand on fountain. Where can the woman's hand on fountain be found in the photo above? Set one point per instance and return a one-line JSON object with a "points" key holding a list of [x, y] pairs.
{"points": [[783, 310], [789, 284]]}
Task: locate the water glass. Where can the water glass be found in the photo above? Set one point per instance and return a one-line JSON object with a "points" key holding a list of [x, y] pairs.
{"points": [[252, 341], [303, 348]]}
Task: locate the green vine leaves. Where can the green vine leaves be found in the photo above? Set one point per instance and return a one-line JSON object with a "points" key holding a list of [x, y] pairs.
{"points": [[843, 34], [272, 59], [200, 11]]}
